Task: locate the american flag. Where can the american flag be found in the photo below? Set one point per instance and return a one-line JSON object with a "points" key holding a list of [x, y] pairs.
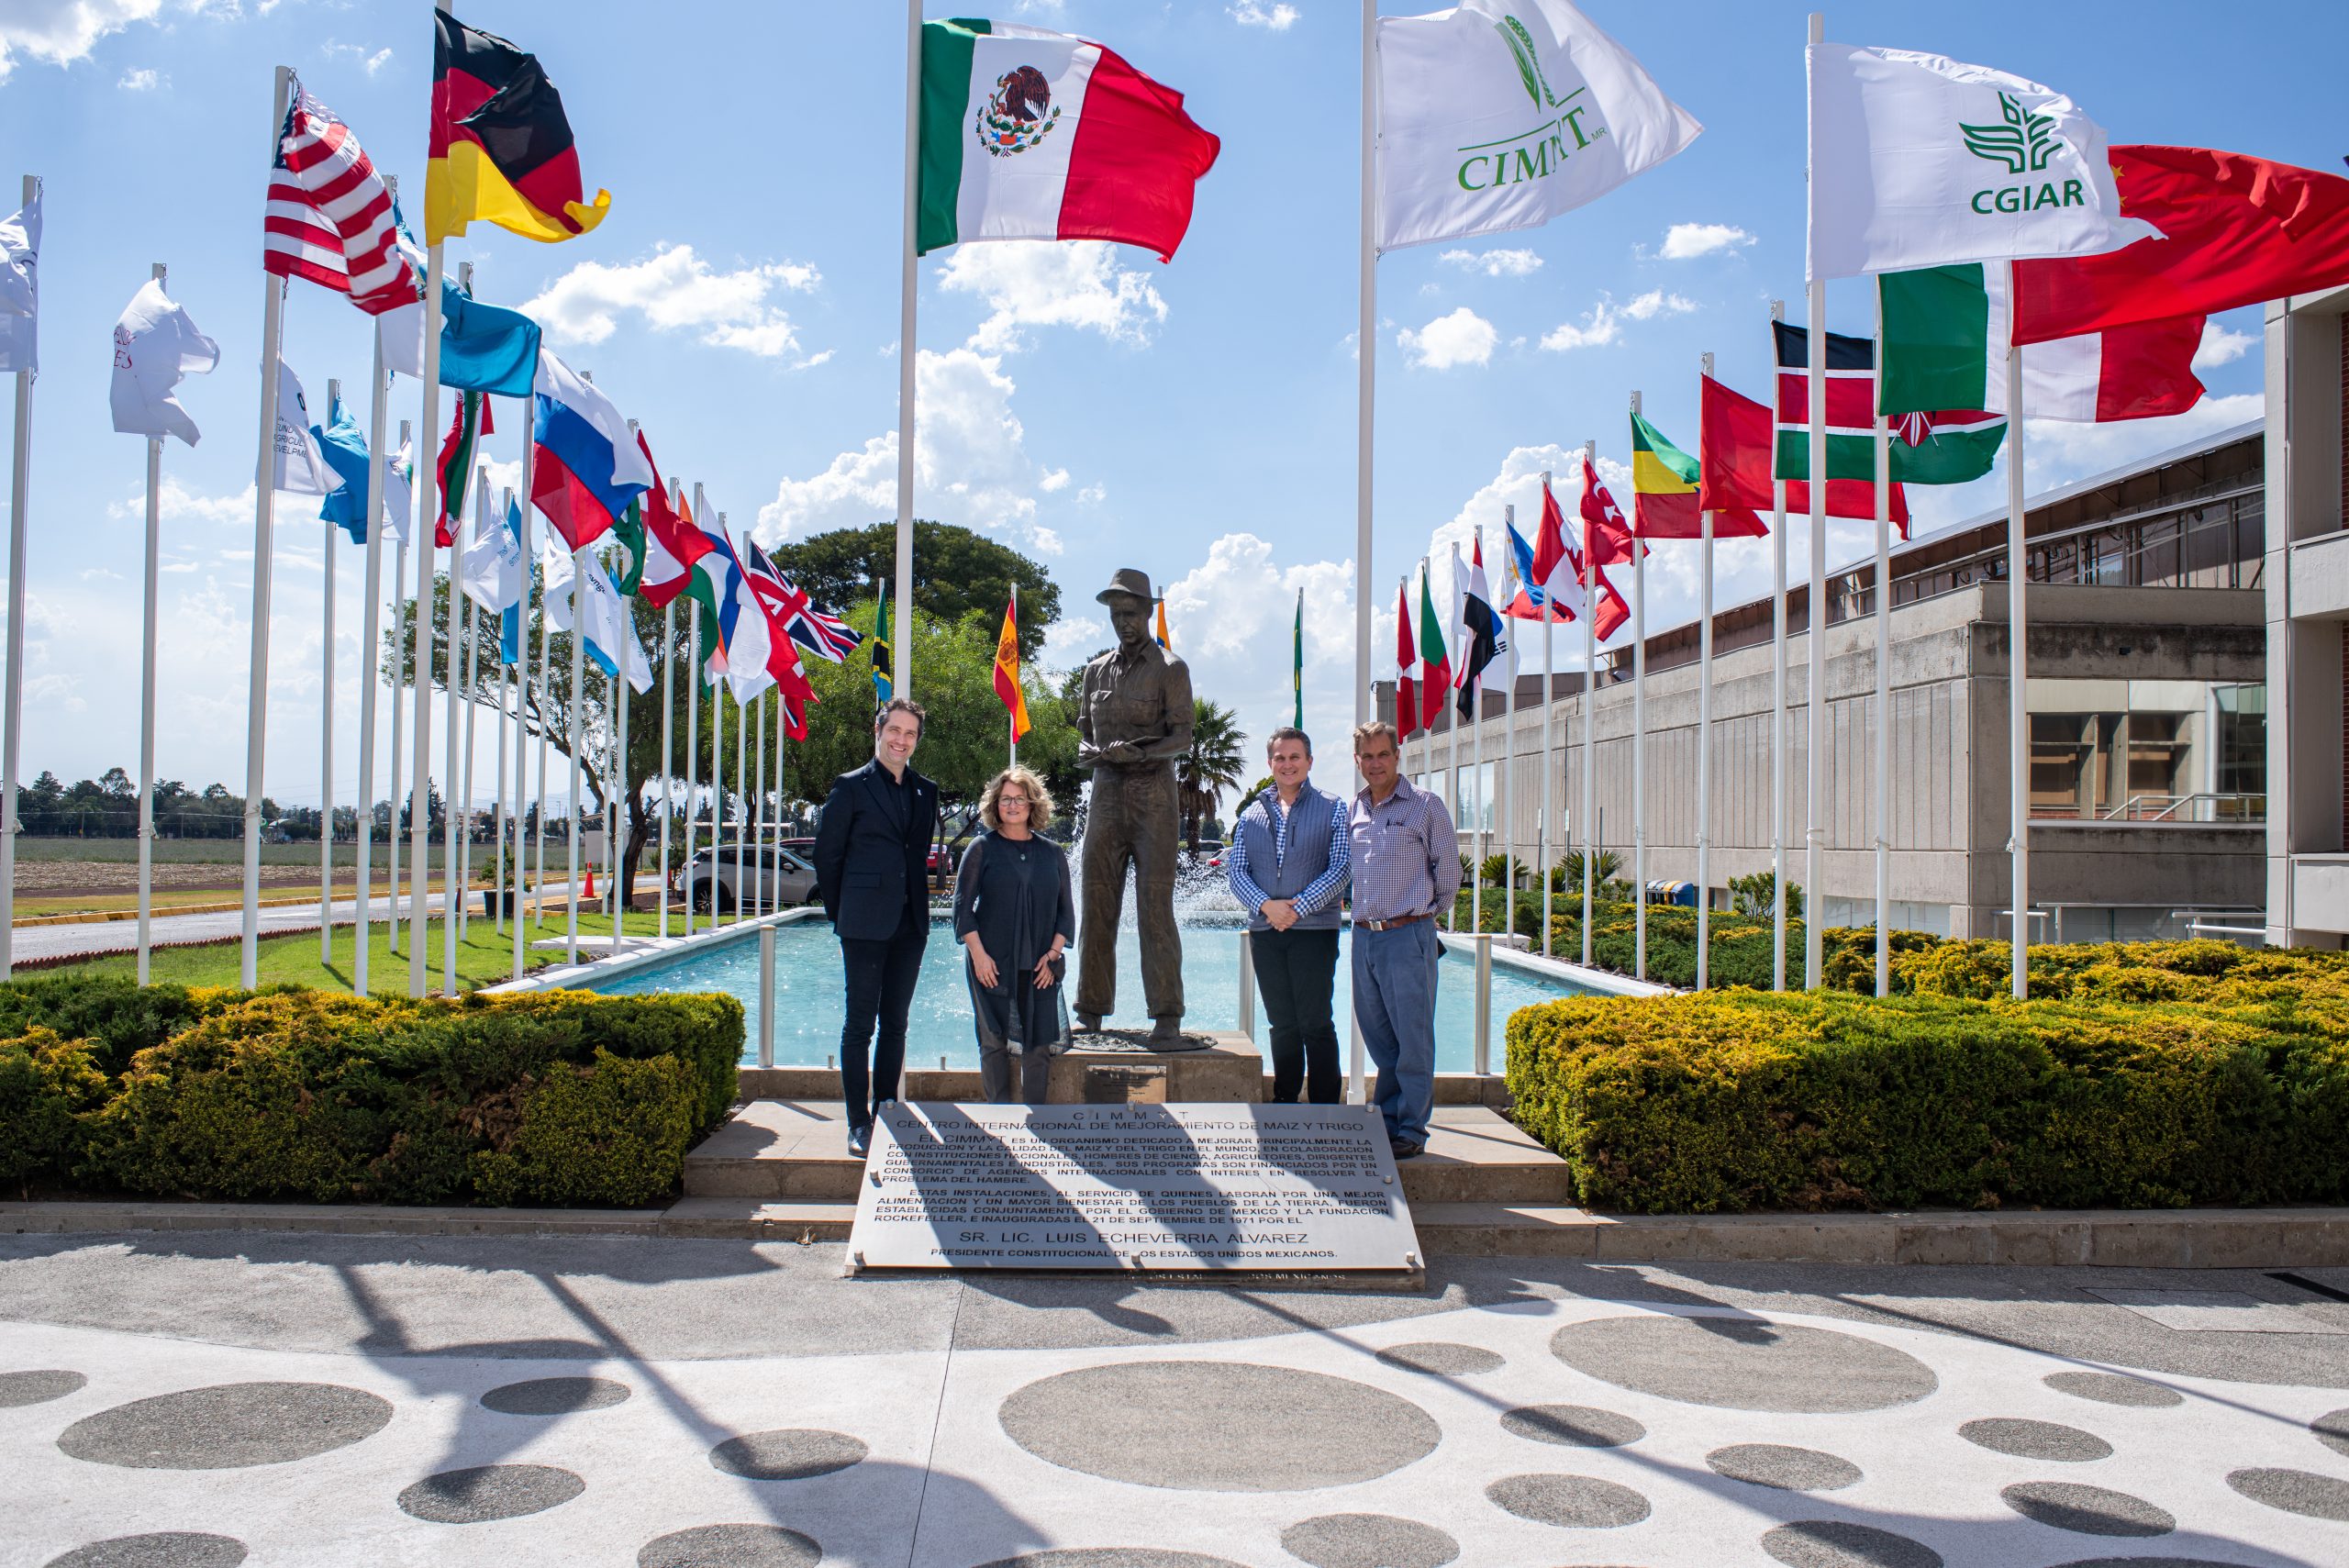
{"points": [[824, 634], [329, 217]]}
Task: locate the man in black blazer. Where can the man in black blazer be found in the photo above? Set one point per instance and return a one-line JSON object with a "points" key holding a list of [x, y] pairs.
{"points": [[872, 873]]}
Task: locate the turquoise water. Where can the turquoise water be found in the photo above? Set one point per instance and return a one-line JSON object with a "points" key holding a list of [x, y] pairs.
{"points": [[808, 994]]}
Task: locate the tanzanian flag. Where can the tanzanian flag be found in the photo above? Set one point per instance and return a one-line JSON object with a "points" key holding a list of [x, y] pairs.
{"points": [[883, 670], [500, 145]]}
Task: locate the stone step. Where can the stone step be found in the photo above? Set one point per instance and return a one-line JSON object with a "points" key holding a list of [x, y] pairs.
{"points": [[795, 1149]]}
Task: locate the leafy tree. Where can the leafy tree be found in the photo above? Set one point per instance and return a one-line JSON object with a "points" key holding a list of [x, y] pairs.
{"points": [[1213, 764], [1758, 895], [956, 574], [1249, 799]]}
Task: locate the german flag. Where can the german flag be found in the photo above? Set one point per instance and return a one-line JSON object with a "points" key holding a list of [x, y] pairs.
{"points": [[501, 148]]}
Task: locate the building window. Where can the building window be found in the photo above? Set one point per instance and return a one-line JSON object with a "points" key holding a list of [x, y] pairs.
{"points": [[2148, 750]]}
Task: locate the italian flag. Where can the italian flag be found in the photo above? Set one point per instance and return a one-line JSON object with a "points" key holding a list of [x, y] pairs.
{"points": [[1945, 332], [1034, 135]]}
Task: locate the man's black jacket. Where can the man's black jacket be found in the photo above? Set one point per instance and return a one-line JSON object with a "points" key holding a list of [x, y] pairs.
{"points": [[871, 867]]}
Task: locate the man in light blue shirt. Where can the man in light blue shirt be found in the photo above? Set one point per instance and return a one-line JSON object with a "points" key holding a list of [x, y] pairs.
{"points": [[1405, 869], [1288, 867]]}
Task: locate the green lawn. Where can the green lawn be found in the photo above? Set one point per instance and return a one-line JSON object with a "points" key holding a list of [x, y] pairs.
{"points": [[485, 957]]}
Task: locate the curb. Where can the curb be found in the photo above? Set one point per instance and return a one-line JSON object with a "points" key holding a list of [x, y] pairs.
{"points": [[2136, 1239]]}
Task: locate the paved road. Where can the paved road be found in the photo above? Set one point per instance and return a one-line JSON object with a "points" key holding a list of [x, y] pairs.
{"points": [[326, 1400], [122, 936]]}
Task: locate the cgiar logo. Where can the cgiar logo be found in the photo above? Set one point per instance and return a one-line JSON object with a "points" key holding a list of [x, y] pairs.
{"points": [[1538, 153], [1018, 114], [2025, 143]]}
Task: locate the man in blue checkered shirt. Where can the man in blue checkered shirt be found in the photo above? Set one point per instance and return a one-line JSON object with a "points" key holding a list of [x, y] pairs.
{"points": [[1405, 870], [1288, 867]]}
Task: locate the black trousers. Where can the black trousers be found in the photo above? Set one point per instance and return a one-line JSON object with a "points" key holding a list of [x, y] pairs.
{"points": [[880, 976], [1297, 971]]}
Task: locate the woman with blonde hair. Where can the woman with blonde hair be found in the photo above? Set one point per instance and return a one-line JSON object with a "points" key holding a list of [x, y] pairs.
{"points": [[1014, 914]]}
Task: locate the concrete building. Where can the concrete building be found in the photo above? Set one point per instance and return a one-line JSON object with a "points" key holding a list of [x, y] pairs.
{"points": [[2307, 579], [2149, 750]]}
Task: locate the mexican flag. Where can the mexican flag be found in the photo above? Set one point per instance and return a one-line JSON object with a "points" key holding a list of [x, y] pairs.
{"points": [[1945, 333], [1034, 135], [1435, 665]]}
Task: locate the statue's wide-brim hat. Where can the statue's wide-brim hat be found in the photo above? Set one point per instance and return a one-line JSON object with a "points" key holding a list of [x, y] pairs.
{"points": [[1128, 583]]}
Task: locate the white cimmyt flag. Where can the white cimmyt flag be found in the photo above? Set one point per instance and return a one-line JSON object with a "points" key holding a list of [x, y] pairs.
{"points": [[1502, 113], [608, 625], [154, 345], [1919, 161], [20, 288], [298, 467]]}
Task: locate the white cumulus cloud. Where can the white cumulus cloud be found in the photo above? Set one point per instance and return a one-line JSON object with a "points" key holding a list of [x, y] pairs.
{"points": [[63, 31], [1604, 322], [675, 290], [1687, 241], [368, 61], [1518, 263], [1462, 337], [2220, 346], [1228, 619], [1276, 19], [140, 80], [1049, 284]]}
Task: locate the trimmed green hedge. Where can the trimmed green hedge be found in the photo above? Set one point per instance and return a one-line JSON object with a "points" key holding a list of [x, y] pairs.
{"points": [[2160, 1073], [556, 1097]]}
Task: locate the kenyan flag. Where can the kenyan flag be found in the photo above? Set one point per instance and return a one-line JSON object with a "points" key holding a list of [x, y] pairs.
{"points": [[1034, 135]]}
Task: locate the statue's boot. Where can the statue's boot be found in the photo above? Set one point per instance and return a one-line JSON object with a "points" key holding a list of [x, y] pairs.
{"points": [[1166, 1032], [1088, 1023]]}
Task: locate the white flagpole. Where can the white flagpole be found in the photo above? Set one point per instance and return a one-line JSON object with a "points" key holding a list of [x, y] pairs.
{"points": [[757, 805], [453, 890], [1012, 720], [1705, 751], [504, 682], [1549, 763], [426, 514], [2018, 673], [1778, 717], [577, 734], [742, 794], [692, 737], [1505, 788], [146, 684], [371, 633], [522, 693], [12, 725], [472, 700], [909, 280], [1815, 725], [1883, 702], [613, 685], [399, 716], [546, 714], [1365, 429], [775, 851], [325, 731], [1639, 742], [1589, 737], [668, 729], [272, 326], [716, 781]]}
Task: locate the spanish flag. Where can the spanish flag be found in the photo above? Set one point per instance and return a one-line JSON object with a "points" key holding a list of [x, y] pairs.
{"points": [[500, 147], [1007, 671]]}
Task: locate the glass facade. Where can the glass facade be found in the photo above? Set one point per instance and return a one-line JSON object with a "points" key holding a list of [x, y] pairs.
{"points": [[2148, 750]]}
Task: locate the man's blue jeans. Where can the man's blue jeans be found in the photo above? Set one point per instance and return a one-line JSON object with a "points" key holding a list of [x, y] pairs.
{"points": [[1394, 977]]}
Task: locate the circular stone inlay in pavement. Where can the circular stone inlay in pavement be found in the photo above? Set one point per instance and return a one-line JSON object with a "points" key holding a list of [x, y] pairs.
{"points": [[227, 1427], [554, 1396], [1571, 1425], [1740, 1363], [789, 1454], [1787, 1469], [730, 1546], [1216, 1426], [1574, 1502], [2332, 1429], [489, 1492], [1112, 1557], [1837, 1543], [2087, 1510], [2295, 1491], [171, 1548], [37, 1387], [1434, 1355], [2035, 1439], [2111, 1388], [1368, 1541]]}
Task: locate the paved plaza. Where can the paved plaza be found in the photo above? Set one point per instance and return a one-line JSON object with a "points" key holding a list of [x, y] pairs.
{"points": [[297, 1399]]}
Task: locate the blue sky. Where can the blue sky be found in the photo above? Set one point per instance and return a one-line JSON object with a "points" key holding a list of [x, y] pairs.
{"points": [[1087, 404]]}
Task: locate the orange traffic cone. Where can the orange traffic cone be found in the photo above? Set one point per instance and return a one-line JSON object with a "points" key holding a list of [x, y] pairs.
{"points": [[590, 880]]}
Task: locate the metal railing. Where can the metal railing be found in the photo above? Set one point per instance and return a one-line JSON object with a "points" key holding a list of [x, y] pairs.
{"points": [[2205, 805]]}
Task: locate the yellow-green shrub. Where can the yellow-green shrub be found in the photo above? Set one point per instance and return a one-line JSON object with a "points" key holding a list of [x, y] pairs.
{"points": [[1742, 1100], [47, 1084]]}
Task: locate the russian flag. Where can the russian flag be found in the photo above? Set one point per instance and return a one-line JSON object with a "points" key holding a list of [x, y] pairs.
{"points": [[585, 467]]}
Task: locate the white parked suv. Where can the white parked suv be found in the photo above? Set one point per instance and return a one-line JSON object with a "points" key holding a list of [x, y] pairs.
{"points": [[708, 881]]}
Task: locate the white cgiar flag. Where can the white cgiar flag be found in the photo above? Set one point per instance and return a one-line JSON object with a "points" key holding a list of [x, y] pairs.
{"points": [[298, 467], [399, 490], [492, 575], [607, 619], [154, 345], [1502, 113], [20, 289], [1919, 161]]}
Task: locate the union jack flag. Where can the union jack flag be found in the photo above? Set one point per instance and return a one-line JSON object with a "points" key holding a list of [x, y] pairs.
{"points": [[824, 634]]}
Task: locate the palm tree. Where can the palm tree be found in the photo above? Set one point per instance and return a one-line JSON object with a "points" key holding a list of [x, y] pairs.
{"points": [[1213, 764]]}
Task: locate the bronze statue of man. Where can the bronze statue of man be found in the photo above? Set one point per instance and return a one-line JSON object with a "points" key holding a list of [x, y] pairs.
{"points": [[1133, 720]]}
